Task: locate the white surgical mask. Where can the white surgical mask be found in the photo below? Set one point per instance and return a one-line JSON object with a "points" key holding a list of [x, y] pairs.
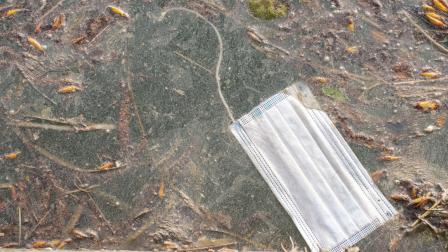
{"points": [[312, 170]]}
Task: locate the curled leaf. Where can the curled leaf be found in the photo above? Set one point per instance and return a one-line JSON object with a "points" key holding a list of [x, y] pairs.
{"points": [[118, 11], [162, 190], [377, 175], [428, 105], [400, 197], [350, 24], [58, 21], [68, 89], [430, 74], [441, 5], [12, 155], [389, 158], [34, 43]]}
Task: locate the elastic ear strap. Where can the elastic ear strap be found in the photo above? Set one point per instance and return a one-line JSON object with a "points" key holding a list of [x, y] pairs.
{"points": [[218, 63]]}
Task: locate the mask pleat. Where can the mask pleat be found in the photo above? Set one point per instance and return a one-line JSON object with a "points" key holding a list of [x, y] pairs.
{"points": [[334, 182], [339, 166], [383, 207], [298, 181]]}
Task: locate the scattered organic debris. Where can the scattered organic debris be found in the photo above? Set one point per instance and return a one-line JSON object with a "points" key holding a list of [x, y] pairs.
{"points": [[424, 203], [48, 213]]}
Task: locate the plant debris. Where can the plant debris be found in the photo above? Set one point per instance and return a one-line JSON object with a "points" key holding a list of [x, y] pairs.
{"points": [[423, 204]]}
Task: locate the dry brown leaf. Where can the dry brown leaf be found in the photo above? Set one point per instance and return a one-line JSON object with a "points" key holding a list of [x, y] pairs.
{"points": [[441, 120], [379, 37], [40, 244], [58, 21], [389, 158], [377, 175], [162, 190], [400, 197], [428, 105]]}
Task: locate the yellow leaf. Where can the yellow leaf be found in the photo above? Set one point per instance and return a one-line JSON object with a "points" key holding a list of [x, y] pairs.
{"points": [[428, 105], [118, 11], [162, 190]]}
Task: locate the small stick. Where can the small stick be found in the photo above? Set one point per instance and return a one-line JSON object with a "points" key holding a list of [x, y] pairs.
{"points": [[139, 232], [427, 36], [28, 235], [41, 93], [192, 61], [253, 243], [131, 92], [107, 27], [50, 156], [209, 247], [91, 127], [420, 81], [20, 226], [425, 214], [109, 225], [74, 219], [337, 71]]}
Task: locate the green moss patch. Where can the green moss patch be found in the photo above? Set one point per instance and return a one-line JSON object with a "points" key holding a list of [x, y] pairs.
{"points": [[268, 9], [334, 93]]}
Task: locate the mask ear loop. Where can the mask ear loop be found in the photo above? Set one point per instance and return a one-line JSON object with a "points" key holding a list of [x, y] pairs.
{"points": [[218, 63]]}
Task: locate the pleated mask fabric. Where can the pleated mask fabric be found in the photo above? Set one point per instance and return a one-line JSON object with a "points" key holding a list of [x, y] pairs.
{"points": [[311, 170]]}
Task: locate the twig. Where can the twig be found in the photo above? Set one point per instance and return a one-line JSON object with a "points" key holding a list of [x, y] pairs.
{"points": [[220, 54], [50, 156], [419, 81], [41, 93], [109, 225], [209, 247], [28, 235], [139, 232], [426, 213], [253, 243], [427, 36], [74, 219], [91, 127], [408, 82], [337, 71], [131, 92], [192, 62], [107, 27], [20, 225]]}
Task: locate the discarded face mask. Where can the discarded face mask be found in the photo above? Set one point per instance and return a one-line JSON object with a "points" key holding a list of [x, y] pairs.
{"points": [[312, 170]]}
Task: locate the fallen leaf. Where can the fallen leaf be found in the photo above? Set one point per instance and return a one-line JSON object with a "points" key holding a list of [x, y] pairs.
{"points": [[320, 80], [428, 105], [40, 244], [162, 190], [170, 245], [378, 175], [389, 158], [400, 197], [352, 49], [441, 120], [58, 21]]}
